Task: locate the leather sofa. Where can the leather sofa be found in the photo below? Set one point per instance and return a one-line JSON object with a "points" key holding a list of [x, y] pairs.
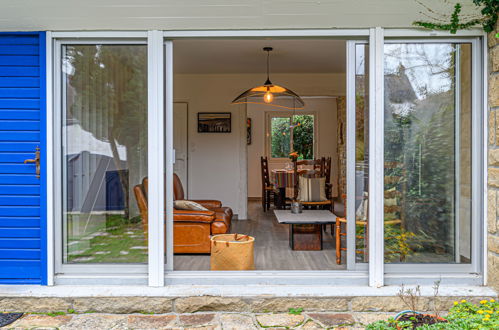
{"points": [[191, 229], [223, 215]]}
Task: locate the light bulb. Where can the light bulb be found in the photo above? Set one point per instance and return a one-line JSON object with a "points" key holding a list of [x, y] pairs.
{"points": [[268, 97]]}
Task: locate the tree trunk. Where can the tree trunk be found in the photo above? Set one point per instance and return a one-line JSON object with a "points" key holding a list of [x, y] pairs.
{"points": [[121, 173]]}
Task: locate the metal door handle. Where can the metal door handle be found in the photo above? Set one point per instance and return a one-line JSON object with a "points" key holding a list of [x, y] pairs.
{"points": [[36, 161]]}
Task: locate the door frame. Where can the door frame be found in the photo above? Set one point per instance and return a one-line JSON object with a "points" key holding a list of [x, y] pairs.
{"points": [[54, 159], [358, 272], [156, 273]]}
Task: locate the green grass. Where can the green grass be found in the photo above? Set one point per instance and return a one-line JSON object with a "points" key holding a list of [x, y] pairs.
{"points": [[295, 311], [56, 314], [115, 245]]}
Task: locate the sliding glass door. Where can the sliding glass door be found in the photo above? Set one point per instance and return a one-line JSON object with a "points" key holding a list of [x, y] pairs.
{"points": [[428, 140], [103, 160], [409, 165], [355, 191]]}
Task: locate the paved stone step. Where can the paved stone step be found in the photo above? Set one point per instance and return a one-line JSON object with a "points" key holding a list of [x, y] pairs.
{"points": [[222, 321]]}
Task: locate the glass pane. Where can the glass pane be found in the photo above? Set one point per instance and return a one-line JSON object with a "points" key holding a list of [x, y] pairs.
{"points": [[280, 137], [104, 153], [361, 150], [303, 136], [427, 153]]}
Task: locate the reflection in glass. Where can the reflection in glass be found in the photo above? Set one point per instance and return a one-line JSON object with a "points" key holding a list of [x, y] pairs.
{"points": [[427, 178], [104, 152], [361, 150]]}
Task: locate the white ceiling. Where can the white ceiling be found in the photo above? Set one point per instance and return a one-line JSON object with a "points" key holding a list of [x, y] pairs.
{"points": [[246, 56]]}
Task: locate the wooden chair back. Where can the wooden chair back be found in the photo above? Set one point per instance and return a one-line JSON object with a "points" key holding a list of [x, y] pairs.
{"points": [[316, 169], [264, 164], [314, 164], [327, 169]]}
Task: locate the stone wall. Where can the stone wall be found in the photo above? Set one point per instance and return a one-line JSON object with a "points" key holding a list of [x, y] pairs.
{"points": [[194, 304], [341, 145], [493, 159]]}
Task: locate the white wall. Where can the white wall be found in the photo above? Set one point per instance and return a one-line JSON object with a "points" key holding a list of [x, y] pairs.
{"points": [[325, 109], [211, 14], [217, 162]]}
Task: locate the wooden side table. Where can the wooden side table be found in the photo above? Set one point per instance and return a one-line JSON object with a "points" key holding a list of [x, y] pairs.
{"points": [[305, 229]]}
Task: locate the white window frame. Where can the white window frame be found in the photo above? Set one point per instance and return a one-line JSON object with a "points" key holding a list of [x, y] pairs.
{"points": [[478, 213], [376, 158], [153, 273], [157, 144], [287, 114], [351, 143], [73, 273]]}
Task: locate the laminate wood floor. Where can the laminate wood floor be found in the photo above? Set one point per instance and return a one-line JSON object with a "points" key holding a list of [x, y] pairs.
{"points": [[272, 251]]}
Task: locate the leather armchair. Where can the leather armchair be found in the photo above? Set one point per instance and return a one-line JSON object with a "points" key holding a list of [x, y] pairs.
{"points": [[223, 214], [191, 229]]}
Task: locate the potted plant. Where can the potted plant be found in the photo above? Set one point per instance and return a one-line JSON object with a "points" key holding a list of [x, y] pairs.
{"points": [[411, 298], [463, 315]]}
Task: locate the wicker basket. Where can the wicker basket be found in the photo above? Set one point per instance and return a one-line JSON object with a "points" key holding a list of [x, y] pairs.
{"points": [[232, 252]]}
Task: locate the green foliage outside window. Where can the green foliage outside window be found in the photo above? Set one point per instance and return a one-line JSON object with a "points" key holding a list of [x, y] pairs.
{"points": [[300, 128], [280, 139], [303, 136]]}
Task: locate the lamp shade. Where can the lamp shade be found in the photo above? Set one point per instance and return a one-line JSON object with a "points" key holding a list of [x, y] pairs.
{"points": [[259, 95], [270, 94]]}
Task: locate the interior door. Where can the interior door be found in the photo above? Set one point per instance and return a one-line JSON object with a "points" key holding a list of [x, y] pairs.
{"points": [[180, 140]]}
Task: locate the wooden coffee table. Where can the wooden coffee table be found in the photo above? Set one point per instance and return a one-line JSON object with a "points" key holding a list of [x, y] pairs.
{"points": [[305, 232]]}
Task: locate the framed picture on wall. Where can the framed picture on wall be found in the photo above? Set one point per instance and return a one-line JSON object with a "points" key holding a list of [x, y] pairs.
{"points": [[214, 122], [248, 130]]}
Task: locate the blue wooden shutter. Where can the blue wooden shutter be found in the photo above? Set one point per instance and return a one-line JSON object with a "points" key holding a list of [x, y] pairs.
{"points": [[22, 130]]}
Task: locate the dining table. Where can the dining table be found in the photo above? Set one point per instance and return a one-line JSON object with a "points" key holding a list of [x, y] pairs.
{"points": [[284, 182]]}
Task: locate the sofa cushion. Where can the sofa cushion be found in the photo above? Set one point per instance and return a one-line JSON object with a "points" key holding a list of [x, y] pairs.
{"points": [[208, 203], [193, 216], [188, 205]]}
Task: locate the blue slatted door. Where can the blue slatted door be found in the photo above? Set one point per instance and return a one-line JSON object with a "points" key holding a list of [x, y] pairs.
{"points": [[22, 100]]}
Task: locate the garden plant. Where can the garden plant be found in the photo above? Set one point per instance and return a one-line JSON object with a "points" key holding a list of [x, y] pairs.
{"points": [[463, 315]]}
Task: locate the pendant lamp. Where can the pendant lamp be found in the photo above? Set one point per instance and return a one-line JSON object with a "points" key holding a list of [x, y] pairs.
{"points": [[269, 93], [293, 122]]}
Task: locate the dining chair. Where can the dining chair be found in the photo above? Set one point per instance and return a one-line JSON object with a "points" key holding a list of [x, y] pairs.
{"points": [[268, 194], [315, 170], [314, 166], [327, 174]]}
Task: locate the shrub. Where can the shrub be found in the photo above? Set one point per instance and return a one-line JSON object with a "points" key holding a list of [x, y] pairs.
{"points": [[463, 315]]}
